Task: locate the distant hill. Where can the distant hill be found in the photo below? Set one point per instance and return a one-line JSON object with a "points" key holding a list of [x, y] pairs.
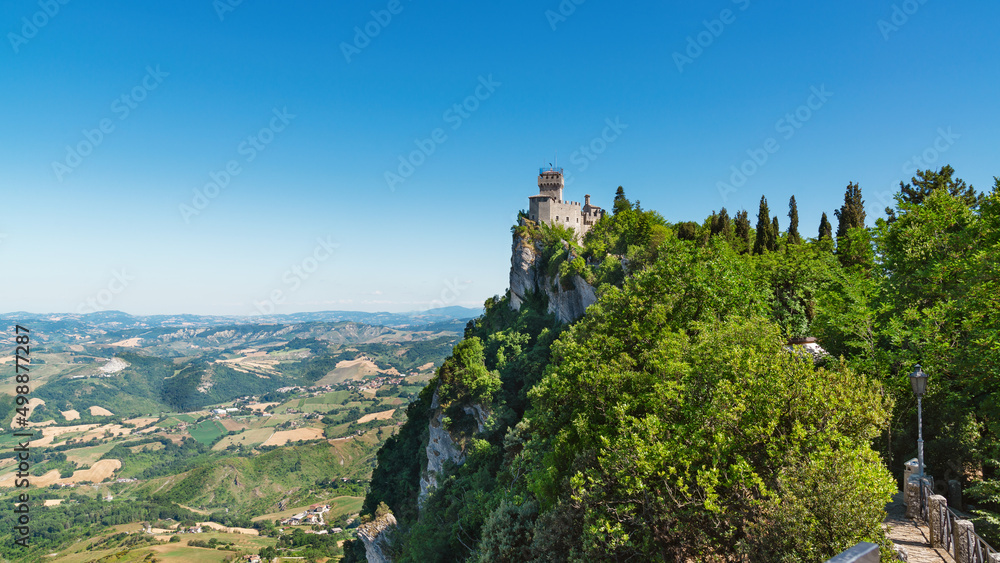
{"points": [[453, 316]]}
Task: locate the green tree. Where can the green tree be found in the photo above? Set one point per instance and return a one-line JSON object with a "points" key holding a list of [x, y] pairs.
{"points": [[675, 447], [742, 227], [765, 231], [721, 224], [687, 230], [464, 377], [775, 234], [825, 228], [927, 181], [850, 216], [621, 203], [793, 222]]}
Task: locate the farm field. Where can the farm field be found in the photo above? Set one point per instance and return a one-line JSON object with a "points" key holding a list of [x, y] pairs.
{"points": [[121, 445]]}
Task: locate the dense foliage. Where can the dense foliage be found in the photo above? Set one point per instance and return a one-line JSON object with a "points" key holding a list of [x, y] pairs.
{"points": [[673, 422]]}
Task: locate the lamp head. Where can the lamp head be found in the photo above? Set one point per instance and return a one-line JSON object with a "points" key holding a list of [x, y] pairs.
{"points": [[918, 381]]}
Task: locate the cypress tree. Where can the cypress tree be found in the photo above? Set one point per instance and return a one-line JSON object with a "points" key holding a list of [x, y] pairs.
{"points": [[852, 213], [825, 228], [721, 224], [621, 203], [762, 243], [793, 222], [772, 242], [742, 227]]}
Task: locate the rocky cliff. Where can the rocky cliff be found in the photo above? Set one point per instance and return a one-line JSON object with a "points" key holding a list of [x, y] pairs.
{"points": [[527, 276], [442, 446], [375, 535]]}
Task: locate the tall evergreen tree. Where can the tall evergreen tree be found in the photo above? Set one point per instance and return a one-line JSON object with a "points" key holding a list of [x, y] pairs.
{"points": [[621, 202], [850, 216], [825, 228], [721, 224], [775, 235], [764, 231], [793, 222], [742, 228], [852, 213]]}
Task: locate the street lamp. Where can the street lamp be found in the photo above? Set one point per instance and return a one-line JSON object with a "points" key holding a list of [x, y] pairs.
{"points": [[918, 380]]}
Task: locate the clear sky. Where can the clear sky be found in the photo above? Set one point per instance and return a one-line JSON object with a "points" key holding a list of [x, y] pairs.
{"points": [[200, 156]]}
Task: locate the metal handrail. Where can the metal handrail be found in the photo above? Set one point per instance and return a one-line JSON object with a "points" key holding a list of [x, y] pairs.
{"points": [[981, 550]]}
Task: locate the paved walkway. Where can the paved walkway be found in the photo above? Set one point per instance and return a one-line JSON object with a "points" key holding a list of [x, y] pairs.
{"points": [[909, 535]]}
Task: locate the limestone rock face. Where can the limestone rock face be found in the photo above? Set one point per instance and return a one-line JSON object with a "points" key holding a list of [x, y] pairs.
{"points": [[526, 276], [523, 273], [442, 446], [375, 535]]}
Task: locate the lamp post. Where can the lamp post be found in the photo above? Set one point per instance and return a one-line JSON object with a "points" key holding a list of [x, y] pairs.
{"points": [[918, 381]]}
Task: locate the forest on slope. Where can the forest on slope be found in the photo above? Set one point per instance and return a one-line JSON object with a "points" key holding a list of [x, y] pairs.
{"points": [[671, 422]]}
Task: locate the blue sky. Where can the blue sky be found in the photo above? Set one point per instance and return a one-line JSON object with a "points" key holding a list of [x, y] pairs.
{"points": [[309, 115]]}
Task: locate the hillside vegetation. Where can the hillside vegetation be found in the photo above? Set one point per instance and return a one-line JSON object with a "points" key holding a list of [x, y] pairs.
{"points": [[672, 422]]}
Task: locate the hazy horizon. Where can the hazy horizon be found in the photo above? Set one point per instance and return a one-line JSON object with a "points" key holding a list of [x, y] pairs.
{"points": [[201, 156]]}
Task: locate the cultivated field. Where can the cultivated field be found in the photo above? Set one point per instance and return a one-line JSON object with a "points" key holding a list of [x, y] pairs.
{"points": [[282, 437], [384, 415]]}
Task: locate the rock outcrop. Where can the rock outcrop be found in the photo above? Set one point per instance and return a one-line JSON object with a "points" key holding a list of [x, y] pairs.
{"points": [[375, 536], [442, 446], [527, 276]]}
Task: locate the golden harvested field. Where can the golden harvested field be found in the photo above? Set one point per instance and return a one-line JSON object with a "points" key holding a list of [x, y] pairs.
{"points": [[349, 369], [71, 414], [114, 429], [221, 528], [53, 502], [142, 421], [49, 434], [248, 438], [100, 411], [99, 472], [230, 424], [283, 437], [128, 343], [384, 415]]}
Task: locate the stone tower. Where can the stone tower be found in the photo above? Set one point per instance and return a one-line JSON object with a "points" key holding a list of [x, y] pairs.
{"points": [[550, 207]]}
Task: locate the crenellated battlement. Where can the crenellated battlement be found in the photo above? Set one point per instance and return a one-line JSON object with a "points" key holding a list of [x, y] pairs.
{"points": [[549, 207]]}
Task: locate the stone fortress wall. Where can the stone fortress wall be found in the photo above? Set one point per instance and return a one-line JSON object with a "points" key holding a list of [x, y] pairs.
{"points": [[548, 206]]}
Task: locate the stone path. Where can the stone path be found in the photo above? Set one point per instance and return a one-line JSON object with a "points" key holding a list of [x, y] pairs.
{"points": [[909, 535]]}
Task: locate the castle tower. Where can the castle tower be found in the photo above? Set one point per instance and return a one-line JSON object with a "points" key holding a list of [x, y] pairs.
{"points": [[551, 183], [549, 207]]}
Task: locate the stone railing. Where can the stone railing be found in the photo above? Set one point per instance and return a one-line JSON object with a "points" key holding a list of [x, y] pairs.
{"points": [[948, 530]]}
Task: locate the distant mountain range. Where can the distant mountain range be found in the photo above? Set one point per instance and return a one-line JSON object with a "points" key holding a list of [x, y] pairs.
{"points": [[119, 320]]}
